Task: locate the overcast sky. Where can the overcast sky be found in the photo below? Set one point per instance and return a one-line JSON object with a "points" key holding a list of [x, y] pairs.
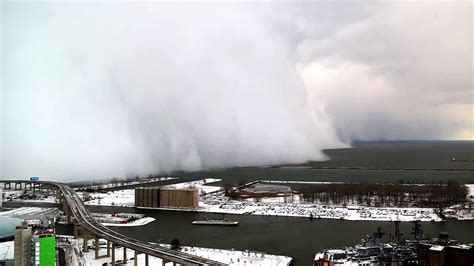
{"points": [[119, 89]]}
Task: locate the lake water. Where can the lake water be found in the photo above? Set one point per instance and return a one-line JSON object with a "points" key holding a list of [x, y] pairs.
{"points": [[299, 238], [7, 225]]}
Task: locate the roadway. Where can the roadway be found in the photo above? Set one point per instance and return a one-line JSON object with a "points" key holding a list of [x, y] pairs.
{"points": [[84, 218]]}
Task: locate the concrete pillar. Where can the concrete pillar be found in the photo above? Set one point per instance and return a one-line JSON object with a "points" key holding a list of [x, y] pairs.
{"points": [[75, 229], [124, 255], [113, 254], [163, 262], [68, 214], [96, 247], [86, 248], [135, 258], [146, 259], [108, 248]]}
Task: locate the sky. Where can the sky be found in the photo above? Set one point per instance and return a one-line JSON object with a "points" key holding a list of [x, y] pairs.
{"points": [[118, 89]]}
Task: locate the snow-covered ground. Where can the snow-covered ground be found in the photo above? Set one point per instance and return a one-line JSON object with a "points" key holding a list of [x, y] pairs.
{"points": [[231, 257], [15, 195], [126, 197], [128, 183], [28, 211], [201, 185], [212, 200], [470, 187], [236, 257], [218, 203], [7, 250], [122, 198], [138, 222]]}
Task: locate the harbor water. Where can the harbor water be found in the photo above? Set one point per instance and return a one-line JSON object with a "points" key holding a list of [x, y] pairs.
{"points": [[299, 238]]}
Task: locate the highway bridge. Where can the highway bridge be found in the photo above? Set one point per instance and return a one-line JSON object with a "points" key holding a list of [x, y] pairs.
{"points": [[71, 204]]}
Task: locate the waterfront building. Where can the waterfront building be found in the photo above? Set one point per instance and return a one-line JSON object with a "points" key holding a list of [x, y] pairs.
{"points": [[22, 250], [155, 197], [430, 254]]}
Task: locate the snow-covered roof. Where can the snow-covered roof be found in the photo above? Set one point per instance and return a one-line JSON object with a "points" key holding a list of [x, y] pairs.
{"points": [[437, 248], [6, 250]]}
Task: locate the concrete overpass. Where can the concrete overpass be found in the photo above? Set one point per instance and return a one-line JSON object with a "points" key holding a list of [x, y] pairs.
{"points": [[72, 205]]}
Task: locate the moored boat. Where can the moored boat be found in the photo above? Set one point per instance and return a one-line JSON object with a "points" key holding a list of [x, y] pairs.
{"points": [[208, 221]]}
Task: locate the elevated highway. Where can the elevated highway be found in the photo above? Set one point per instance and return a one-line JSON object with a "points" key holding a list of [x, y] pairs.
{"points": [[85, 219]]}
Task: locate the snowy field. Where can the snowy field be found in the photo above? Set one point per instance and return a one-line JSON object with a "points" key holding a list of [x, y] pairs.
{"points": [[28, 211], [231, 257], [201, 185], [212, 200], [126, 197], [218, 203], [127, 183], [471, 190], [235, 257], [121, 198], [14, 195]]}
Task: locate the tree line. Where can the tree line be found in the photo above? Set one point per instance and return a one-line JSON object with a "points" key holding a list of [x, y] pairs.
{"points": [[371, 194], [374, 194]]}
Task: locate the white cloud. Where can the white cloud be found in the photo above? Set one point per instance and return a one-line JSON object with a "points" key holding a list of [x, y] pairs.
{"points": [[116, 89]]}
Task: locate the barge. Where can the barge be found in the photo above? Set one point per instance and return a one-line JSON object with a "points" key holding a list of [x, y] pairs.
{"points": [[208, 221]]}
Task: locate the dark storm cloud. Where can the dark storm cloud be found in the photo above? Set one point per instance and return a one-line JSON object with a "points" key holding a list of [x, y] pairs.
{"points": [[403, 71], [119, 89]]}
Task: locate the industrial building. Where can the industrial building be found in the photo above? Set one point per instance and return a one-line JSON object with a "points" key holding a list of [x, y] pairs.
{"points": [[22, 251], [38, 249], [155, 197], [432, 254]]}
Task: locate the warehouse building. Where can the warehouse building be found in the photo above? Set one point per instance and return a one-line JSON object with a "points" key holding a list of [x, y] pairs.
{"points": [[155, 197]]}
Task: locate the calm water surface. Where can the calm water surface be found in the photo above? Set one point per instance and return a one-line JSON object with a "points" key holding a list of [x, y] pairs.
{"points": [[299, 238]]}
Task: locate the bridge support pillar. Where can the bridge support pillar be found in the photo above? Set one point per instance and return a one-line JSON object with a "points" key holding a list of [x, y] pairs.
{"points": [[146, 259], [108, 248], [135, 258], [113, 254], [85, 248], [76, 229], [96, 247], [124, 255], [67, 211]]}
